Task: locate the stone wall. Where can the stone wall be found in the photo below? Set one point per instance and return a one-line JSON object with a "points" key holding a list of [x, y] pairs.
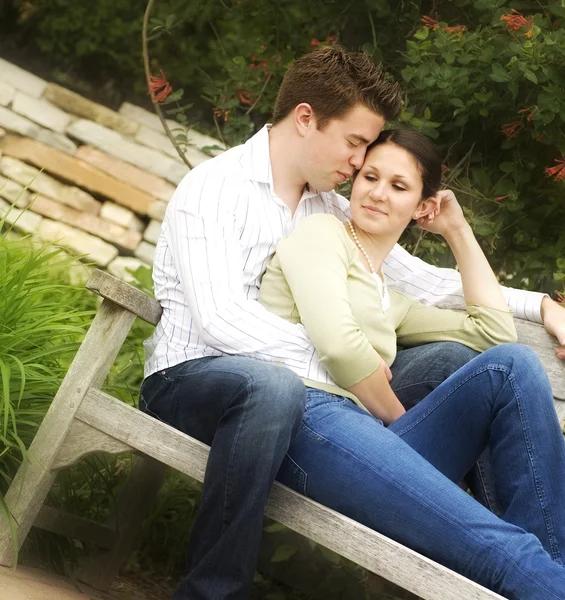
{"points": [[75, 173]]}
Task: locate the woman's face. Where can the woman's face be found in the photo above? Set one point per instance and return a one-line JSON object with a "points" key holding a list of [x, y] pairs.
{"points": [[387, 191]]}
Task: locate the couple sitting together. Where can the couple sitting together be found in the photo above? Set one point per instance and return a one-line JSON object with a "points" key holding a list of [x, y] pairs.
{"points": [[284, 306]]}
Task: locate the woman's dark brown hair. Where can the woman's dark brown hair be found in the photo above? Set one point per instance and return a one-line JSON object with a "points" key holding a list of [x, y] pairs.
{"points": [[422, 151]]}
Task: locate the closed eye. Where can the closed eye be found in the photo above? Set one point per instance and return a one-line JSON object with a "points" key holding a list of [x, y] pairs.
{"points": [[399, 188], [370, 178], [352, 144]]}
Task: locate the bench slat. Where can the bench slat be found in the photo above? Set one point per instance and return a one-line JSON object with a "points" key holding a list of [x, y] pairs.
{"points": [[366, 547], [536, 337], [125, 295]]}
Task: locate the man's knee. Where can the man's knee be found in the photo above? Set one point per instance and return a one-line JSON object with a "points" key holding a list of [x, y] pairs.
{"points": [[451, 356], [278, 392]]}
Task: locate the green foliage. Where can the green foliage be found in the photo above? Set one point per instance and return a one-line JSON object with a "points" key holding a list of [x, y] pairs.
{"points": [[496, 92]]}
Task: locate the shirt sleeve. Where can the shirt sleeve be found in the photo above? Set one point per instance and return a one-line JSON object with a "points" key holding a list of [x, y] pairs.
{"points": [[478, 328], [315, 262], [442, 287], [207, 257]]}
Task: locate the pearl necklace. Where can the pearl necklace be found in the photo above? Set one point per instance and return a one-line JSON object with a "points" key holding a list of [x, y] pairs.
{"points": [[380, 280]]}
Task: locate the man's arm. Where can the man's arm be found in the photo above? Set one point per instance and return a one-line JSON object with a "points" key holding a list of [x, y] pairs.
{"points": [[208, 260], [442, 287]]}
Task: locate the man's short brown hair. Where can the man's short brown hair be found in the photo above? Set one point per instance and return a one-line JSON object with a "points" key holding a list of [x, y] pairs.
{"points": [[332, 81]]}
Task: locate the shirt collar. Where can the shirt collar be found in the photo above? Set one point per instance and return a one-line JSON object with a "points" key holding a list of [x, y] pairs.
{"points": [[256, 161]]}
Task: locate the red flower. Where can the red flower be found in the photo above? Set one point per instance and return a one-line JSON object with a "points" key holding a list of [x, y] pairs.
{"points": [[458, 29], [159, 88], [511, 129], [515, 20], [528, 112], [430, 23], [314, 42], [331, 39], [244, 97], [221, 112], [558, 171]]}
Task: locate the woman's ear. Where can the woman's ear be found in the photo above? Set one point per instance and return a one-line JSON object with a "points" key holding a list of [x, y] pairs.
{"points": [[304, 118], [426, 207]]}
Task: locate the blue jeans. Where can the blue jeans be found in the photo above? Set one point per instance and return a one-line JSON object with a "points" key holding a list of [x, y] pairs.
{"points": [[401, 480], [247, 411]]}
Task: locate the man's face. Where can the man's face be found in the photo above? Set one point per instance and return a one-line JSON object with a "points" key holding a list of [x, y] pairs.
{"points": [[332, 155]]}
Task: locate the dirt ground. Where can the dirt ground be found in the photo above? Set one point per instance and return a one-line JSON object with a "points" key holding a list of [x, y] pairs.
{"points": [[27, 583]]}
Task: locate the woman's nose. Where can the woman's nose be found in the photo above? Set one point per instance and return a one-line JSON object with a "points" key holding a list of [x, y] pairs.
{"points": [[378, 192]]}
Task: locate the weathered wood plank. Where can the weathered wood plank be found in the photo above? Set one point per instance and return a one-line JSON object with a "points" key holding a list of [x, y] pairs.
{"points": [[125, 295], [89, 368], [134, 502], [78, 528], [83, 440], [368, 548], [536, 337]]}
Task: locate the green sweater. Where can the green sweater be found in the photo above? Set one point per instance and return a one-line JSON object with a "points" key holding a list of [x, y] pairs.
{"points": [[317, 279]]}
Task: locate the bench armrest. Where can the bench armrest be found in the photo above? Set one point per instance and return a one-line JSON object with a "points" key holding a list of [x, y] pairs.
{"points": [[125, 295]]}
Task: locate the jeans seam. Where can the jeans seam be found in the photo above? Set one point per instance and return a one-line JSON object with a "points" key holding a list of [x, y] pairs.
{"points": [[489, 497], [304, 475], [555, 552], [248, 384]]}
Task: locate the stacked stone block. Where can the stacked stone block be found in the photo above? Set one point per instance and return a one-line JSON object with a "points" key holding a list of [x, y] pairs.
{"points": [[80, 175]]}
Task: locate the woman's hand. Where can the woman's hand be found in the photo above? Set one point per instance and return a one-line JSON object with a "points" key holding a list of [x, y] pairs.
{"points": [[447, 217]]}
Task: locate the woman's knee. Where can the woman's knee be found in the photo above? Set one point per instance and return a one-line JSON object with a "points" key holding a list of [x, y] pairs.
{"points": [[515, 357]]}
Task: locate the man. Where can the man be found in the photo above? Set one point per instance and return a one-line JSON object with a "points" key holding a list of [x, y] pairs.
{"points": [[212, 366]]}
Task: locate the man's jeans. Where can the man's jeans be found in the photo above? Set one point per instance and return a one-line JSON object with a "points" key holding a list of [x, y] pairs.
{"points": [[382, 477], [248, 411]]}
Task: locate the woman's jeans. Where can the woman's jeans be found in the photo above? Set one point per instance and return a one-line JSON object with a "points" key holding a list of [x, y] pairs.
{"points": [[383, 477]]}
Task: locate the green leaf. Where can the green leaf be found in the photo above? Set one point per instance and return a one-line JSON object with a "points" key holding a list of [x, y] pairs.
{"points": [[175, 96], [427, 113], [275, 528], [499, 74], [422, 33], [330, 556], [283, 553], [531, 76], [506, 167]]}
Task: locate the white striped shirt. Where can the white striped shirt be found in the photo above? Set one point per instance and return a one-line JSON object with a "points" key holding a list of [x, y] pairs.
{"points": [[221, 228]]}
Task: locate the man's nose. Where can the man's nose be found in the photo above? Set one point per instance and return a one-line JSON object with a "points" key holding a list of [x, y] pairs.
{"points": [[358, 157]]}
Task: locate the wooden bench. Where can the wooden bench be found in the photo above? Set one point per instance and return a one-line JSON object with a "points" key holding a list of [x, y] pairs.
{"points": [[82, 419]]}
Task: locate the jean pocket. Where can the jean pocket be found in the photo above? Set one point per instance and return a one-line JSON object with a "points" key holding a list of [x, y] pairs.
{"points": [[152, 389], [292, 475]]}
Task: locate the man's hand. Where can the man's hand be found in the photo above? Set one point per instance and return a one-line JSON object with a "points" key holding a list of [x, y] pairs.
{"points": [[553, 317]]}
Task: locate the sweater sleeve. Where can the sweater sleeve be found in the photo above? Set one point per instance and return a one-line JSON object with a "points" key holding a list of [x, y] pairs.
{"points": [[478, 327], [315, 260]]}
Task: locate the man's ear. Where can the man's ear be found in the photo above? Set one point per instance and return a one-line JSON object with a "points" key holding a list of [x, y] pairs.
{"points": [[304, 118], [426, 207]]}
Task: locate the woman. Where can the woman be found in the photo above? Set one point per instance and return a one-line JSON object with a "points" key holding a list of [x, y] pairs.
{"points": [[397, 471]]}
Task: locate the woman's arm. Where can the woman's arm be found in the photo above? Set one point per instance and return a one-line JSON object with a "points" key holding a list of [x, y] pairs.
{"points": [[376, 395], [314, 261], [480, 286]]}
